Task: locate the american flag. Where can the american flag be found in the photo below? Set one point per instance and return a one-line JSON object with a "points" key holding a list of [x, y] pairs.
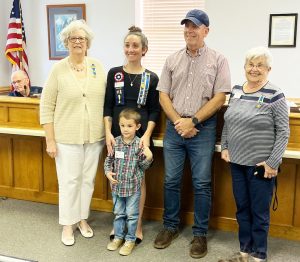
{"points": [[15, 50]]}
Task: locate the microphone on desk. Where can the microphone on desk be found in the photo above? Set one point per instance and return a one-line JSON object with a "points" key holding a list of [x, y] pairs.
{"points": [[25, 90]]}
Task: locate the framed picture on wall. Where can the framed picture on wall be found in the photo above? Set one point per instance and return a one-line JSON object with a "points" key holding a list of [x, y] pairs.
{"points": [[283, 30], [58, 17]]}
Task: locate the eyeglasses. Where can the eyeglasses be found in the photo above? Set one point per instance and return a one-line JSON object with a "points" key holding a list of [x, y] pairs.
{"points": [[259, 67], [75, 39], [17, 82]]}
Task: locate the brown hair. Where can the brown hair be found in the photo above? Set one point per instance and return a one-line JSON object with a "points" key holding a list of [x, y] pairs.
{"points": [[129, 113], [134, 30]]}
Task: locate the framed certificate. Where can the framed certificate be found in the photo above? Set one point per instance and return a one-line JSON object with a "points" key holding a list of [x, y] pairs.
{"points": [[283, 30]]}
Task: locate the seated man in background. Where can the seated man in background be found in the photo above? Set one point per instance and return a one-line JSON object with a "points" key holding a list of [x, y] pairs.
{"points": [[20, 83]]}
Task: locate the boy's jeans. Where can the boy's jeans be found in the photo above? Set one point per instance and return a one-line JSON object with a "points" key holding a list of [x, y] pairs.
{"points": [[126, 210]]}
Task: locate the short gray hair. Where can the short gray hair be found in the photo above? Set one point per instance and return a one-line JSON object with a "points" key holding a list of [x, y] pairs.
{"points": [[76, 25], [259, 51]]}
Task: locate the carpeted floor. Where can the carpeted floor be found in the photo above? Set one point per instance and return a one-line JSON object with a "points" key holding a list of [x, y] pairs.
{"points": [[13, 259], [30, 231]]}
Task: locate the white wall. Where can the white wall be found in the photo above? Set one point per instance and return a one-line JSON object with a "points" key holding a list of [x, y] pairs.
{"points": [[108, 19], [236, 26]]}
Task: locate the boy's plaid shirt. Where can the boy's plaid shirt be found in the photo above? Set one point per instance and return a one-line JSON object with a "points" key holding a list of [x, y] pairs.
{"points": [[130, 169]]}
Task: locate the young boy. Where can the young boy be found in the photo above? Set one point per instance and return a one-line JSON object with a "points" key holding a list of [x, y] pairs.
{"points": [[125, 171]]}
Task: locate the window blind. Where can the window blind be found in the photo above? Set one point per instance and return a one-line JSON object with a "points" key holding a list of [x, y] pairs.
{"points": [[160, 21]]}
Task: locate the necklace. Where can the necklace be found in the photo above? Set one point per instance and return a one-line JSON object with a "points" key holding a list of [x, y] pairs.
{"points": [[75, 68], [132, 81]]}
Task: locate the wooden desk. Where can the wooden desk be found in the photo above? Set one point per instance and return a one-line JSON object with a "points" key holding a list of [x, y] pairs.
{"points": [[26, 172], [4, 90]]}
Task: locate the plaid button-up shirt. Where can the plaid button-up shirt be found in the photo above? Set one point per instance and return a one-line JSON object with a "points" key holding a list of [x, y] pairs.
{"points": [[129, 164], [191, 82]]}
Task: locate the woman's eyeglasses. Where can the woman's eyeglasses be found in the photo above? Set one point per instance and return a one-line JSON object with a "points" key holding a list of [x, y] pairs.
{"points": [[259, 67], [75, 39]]}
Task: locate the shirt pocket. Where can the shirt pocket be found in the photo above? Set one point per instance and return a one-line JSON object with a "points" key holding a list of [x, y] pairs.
{"points": [[210, 76]]}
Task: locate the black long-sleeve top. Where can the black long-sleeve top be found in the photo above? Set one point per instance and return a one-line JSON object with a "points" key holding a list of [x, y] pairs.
{"points": [[149, 112]]}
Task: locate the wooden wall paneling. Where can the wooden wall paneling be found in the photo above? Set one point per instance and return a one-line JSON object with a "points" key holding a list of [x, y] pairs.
{"points": [[105, 184], [223, 203], [284, 231], [26, 117], [159, 130], [49, 171], [101, 198], [154, 186], [297, 199], [102, 195], [100, 190], [101, 205], [3, 114], [294, 139], [155, 181], [41, 173], [27, 162], [6, 172], [286, 196], [4, 90]]}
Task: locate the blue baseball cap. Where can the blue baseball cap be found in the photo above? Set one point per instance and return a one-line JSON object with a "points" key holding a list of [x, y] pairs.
{"points": [[198, 17]]}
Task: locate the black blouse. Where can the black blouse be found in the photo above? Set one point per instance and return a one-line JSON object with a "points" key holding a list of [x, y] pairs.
{"points": [[149, 112]]}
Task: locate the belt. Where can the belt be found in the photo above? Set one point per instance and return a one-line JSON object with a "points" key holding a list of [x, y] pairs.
{"points": [[186, 116]]}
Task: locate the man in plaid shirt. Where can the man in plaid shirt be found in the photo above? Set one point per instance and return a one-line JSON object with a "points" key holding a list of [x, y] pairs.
{"points": [[125, 170]]}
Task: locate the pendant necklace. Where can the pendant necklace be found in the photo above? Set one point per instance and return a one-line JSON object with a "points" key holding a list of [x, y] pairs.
{"points": [[75, 68], [132, 81]]}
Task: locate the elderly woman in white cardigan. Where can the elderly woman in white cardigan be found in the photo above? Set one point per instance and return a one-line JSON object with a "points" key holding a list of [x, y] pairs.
{"points": [[71, 112]]}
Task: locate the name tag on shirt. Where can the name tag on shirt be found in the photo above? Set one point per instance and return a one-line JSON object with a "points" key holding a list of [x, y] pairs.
{"points": [[119, 154], [119, 84]]}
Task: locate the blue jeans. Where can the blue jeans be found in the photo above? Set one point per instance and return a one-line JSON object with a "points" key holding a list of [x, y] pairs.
{"points": [[200, 150], [126, 210], [253, 197]]}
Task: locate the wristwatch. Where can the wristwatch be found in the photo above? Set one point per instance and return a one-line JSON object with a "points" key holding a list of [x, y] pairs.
{"points": [[195, 120]]}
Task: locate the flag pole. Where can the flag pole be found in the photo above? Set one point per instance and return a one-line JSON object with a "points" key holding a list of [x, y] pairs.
{"points": [[21, 52]]}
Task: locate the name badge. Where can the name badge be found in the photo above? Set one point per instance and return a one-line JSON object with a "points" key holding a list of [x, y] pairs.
{"points": [[94, 73], [119, 154], [119, 84]]}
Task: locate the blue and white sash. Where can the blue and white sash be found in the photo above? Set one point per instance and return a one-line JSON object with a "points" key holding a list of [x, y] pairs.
{"points": [[144, 88]]}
